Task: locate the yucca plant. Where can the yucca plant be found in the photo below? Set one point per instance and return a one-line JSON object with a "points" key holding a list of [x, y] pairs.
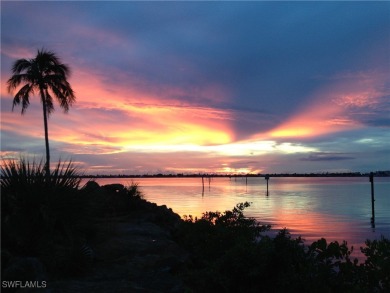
{"points": [[40, 215], [21, 174], [65, 175]]}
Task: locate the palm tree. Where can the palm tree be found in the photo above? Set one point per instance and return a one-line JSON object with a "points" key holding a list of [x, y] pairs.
{"points": [[48, 76]]}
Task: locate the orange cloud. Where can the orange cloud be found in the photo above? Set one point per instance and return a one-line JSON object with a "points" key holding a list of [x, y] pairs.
{"points": [[314, 121], [121, 118], [337, 107]]}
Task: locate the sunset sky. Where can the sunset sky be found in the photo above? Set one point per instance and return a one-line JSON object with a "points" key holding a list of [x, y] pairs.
{"points": [[172, 87]]}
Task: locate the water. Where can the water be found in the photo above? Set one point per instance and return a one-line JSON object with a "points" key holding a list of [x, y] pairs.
{"points": [[336, 208]]}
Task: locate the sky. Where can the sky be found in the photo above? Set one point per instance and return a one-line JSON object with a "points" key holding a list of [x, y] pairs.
{"points": [[206, 87]]}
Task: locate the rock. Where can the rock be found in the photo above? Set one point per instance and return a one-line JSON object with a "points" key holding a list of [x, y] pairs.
{"points": [[91, 185], [138, 256], [114, 187]]}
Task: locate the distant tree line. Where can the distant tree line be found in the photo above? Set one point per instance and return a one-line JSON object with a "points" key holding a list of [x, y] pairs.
{"points": [[199, 175]]}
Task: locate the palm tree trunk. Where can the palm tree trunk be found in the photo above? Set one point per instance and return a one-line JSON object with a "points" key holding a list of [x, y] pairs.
{"points": [[47, 166]]}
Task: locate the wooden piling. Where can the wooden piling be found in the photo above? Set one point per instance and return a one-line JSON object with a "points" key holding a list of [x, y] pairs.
{"points": [[202, 185], [372, 200], [267, 178]]}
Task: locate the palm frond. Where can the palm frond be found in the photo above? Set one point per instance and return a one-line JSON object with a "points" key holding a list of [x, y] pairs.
{"points": [[46, 56], [17, 79], [21, 65], [63, 92], [13, 82], [58, 69], [22, 97]]}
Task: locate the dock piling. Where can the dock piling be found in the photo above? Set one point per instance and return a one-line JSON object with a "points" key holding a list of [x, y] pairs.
{"points": [[202, 185], [372, 200], [267, 178]]}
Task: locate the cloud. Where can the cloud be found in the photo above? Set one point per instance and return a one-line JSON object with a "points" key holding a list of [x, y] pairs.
{"points": [[381, 122], [327, 157], [220, 84]]}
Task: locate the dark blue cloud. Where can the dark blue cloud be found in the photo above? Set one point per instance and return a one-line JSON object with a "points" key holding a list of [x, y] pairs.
{"points": [[15, 143], [270, 57], [263, 52], [327, 157], [383, 122]]}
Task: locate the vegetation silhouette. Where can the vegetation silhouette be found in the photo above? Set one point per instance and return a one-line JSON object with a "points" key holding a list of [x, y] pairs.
{"points": [[47, 75], [55, 221], [229, 253], [54, 228]]}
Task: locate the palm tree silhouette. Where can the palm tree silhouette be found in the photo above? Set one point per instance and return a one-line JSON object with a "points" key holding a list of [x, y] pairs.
{"points": [[48, 76]]}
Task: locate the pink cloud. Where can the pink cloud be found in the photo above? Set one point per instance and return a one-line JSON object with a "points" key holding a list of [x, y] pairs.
{"points": [[337, 107]]}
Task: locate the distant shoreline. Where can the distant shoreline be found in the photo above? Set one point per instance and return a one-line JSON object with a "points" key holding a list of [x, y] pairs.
{"points": [[353, 174]]}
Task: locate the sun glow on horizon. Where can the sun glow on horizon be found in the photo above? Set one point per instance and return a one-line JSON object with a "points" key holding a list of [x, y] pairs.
{"points": [[127, 121]]}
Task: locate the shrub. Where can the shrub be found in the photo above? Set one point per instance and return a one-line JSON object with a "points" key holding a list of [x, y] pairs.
{"points": [[377, 264], [230, 254], [211, 235]]}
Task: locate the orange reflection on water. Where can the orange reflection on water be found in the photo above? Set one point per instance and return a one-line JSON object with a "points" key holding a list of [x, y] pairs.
{"points": [[309, 207]]}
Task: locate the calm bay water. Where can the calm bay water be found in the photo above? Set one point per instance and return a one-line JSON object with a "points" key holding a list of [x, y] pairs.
{"points": [[336, 208]]}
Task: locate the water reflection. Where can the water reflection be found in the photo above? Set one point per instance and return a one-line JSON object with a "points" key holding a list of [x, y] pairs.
{"points": [[334, 208]]}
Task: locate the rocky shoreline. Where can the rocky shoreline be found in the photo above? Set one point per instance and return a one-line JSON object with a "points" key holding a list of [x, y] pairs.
{"points": [[133, 252], [115, 241], [138, 256]]}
